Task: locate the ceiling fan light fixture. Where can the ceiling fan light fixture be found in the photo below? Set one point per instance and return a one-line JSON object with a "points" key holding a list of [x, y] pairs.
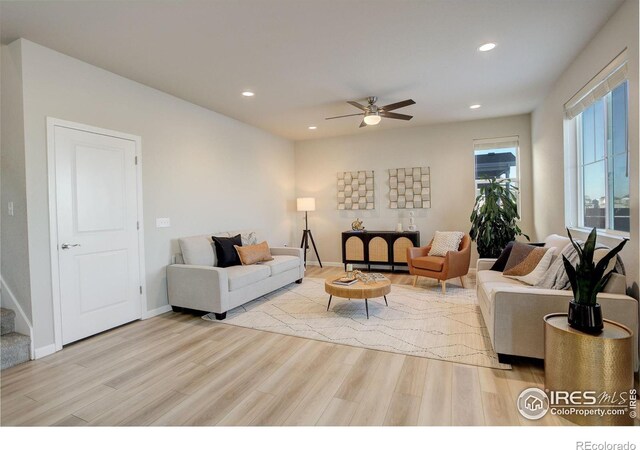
{"points": [[372, 118]]}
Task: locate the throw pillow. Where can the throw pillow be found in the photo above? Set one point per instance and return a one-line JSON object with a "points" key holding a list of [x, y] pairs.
{"points": [[445, 241], [519, 251], [252, 254], [225, 250], [531, 269], [498, 266], [501, 262], [249, 238]]}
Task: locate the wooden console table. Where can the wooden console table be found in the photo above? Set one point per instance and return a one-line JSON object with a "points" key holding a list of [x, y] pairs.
{"points": [[387, 248]]}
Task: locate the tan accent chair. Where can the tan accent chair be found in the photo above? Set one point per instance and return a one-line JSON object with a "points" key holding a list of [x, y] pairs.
{"points": [[442, 268]]}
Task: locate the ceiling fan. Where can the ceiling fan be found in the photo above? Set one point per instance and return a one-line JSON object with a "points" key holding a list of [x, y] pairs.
{"points": [[373, 114]]}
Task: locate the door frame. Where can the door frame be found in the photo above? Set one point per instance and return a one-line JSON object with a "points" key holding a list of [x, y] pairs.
{"points": [[53, 216]]}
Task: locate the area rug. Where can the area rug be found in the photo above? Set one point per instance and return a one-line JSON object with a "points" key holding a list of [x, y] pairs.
{"points": [[418, 321]]}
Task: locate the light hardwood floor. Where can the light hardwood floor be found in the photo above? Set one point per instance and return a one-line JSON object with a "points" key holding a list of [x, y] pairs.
{"points": [[176, 369]]}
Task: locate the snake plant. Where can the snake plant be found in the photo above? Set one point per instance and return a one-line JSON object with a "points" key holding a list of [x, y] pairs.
{"points": [[588, 279]]}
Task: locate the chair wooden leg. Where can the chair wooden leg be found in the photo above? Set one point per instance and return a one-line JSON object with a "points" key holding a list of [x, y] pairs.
{"points": [[444, 286], [462, 282], [415, 280]]}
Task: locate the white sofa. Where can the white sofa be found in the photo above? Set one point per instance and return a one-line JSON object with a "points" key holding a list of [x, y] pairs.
{"points": [[514, 311], [195, 282]]}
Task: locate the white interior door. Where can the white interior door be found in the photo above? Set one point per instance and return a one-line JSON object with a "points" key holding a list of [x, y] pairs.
{"points": [[98, 253]]}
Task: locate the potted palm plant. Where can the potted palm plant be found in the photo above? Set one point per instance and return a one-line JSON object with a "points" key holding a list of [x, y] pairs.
{"points": [[494, 218], [587, 281]]}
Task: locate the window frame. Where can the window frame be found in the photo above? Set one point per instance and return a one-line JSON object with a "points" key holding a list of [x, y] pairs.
{"points": [[608, 154], [497, 141]]}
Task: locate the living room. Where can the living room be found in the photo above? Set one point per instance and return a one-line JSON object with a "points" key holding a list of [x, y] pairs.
{"points": [[228, 133]]}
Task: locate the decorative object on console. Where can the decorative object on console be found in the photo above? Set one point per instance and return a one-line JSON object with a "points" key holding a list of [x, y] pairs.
{"points": [[306, 204], [226, 253], [356, 190], [409, 188], [412, 221], [587, 281], [252, 254], [356, 225], [494, 218], [377, 247]]}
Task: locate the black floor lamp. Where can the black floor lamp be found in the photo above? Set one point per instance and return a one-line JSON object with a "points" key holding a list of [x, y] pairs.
{"points": [[306, 204]]}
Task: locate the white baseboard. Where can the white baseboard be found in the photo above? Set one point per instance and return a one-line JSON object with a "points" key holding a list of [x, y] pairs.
{"points": [[47, 350], [22, 323], [156, 312], [325, 263], [339, 264]]}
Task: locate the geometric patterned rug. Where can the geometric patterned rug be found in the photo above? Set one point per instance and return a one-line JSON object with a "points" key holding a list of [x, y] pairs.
{"points": [[418, 321]]}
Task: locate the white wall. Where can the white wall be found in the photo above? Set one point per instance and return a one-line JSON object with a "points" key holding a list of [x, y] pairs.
{"points": [[205, 171], [13, 229], [446, 148], [547, 129]]}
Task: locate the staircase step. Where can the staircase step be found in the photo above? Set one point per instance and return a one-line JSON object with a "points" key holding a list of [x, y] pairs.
{"points": [[7, 321], [14, 349]]}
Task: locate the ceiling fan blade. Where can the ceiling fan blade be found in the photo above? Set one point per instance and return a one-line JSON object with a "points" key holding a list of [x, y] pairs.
{"points": [[346, 115], [358, 105], [393, 106], [391, 115], [362, 124]]}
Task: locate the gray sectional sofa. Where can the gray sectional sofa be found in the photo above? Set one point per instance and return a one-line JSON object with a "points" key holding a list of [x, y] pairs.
{"points": [[195, 281]]}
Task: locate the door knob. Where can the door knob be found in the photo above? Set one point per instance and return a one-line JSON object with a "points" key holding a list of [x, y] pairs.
{"points": [[66, 246]]}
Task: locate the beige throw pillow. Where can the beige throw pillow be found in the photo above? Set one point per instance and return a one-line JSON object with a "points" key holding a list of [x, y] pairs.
{"points": [[252, 254], [445, 241]]}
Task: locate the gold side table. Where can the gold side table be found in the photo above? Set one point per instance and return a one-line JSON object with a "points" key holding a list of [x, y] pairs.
{"points": [[577, 362]]}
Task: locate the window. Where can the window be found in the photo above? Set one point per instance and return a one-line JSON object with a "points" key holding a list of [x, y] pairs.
{"points": [[496, 158], [603, 163], [597, 152]]}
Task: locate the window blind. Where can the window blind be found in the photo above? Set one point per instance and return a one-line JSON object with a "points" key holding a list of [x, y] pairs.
{"points": [[599, 86], [496, 143]]}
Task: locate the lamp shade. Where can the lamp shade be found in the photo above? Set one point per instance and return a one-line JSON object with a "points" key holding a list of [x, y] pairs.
{"points": [[306, 204], [372, 118]]}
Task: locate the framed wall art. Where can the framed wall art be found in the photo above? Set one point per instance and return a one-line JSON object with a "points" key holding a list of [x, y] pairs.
{"points": [[410, 188], [355, 190]]}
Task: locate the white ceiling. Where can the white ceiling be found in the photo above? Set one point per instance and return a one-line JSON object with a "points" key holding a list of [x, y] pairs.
{"points": [[305, 58]]}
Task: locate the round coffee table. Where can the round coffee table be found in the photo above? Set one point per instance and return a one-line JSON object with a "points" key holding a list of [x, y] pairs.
{"points": [[358, 290]]}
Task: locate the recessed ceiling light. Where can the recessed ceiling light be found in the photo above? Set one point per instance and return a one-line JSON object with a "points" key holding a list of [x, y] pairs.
{"points": [[486, 47], [313, 127], [476, 106], [248, 94]]}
